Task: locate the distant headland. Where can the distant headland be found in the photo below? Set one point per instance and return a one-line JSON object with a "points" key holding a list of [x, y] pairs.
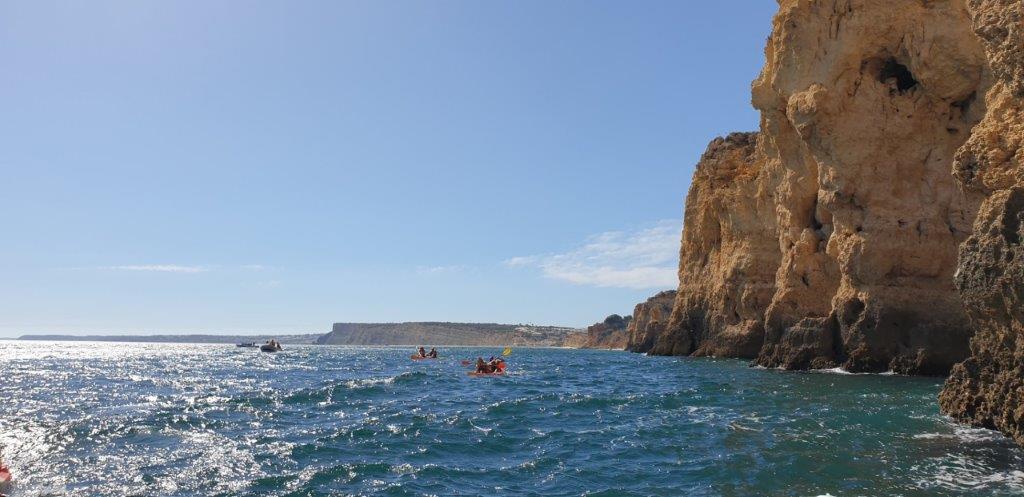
{"points": [[286, 339], [407, 333]]}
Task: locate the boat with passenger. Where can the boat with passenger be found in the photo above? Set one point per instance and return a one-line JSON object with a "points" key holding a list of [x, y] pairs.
{"points": [[422, 354], [271, 346]]}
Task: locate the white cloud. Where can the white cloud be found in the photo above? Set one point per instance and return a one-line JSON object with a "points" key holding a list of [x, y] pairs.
{"points": [[522, 261], [159, 268], [641, 259], [432, 270]]}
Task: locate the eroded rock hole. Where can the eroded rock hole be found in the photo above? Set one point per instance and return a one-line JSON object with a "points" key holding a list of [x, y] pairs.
{"points": [[965, 104], [1012, 217], [894, 70], [851, 310]]}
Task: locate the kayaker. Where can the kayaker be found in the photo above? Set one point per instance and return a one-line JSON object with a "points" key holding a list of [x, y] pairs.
{"points": [[483, 367], [423, 352], [496, 364], [433, 353]]}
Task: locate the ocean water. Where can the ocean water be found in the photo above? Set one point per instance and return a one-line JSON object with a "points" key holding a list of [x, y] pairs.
{"points": [[106, 419]]}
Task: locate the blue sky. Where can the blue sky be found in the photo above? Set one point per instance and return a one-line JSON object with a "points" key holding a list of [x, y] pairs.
{"points": [[277, 166]]}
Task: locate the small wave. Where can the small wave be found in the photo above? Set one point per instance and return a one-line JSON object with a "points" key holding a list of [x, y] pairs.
{"points": [[961, 474], [843, 371], [325, 395], [735, 426], [485, 431]]}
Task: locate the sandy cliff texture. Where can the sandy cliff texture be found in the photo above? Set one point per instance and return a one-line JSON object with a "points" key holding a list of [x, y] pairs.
{"points": [[863, 105], [729, 255], [575, 340], [608, 334], [649, 321], [988, 388], [836, 235]]}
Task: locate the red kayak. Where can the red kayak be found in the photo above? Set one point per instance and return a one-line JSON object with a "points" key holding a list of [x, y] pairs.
{"points": [[500, 371], [5, 479], [416, 357]]}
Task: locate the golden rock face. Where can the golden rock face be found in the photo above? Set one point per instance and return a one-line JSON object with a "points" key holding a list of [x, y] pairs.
{"points": [[864, 105], [830, 237], [649, 321], [988, 388]]}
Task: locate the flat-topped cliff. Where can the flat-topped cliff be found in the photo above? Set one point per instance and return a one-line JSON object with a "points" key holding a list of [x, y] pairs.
{"points": [[292, 339], [441, 333]]}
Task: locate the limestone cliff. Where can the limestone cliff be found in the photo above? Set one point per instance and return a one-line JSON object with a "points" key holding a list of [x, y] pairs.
{"points": [[608, 334], [729, 255], [575, 340], [863, 105], [988, 388], [649, 321], [831, 238]]}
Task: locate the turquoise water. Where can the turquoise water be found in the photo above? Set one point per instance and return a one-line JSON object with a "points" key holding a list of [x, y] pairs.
{"points": [[184, 420]]}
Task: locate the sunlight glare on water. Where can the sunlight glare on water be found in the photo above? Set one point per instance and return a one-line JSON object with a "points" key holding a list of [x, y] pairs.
{"points": [[117, 419]]}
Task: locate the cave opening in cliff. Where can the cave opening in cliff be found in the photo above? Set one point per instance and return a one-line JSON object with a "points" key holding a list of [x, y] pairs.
{"points": [[891, 69]]}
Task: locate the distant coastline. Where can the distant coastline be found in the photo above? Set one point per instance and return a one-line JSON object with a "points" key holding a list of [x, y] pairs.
{"points": [[450, 334], [446, 334], [165, 338]]}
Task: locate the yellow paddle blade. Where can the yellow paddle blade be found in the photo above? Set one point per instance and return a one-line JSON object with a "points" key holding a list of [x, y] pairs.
{"points": [[507, 352]]}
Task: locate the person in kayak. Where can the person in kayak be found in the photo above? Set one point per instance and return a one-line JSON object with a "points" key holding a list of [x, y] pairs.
{"points": [[497, 365], [433, 353], [490, 366], [423, 352], [483, 367]]}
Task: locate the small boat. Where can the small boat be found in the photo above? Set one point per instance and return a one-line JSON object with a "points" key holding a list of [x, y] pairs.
{"points": [[270, 348], [475, 374], [248, 344], [417, 357]]}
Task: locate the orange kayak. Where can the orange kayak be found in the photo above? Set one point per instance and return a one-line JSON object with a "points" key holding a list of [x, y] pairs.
{"points": [[418, 358], [5, 479], [475, 374]]}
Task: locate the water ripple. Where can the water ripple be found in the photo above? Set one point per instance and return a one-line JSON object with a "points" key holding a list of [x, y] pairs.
{"points": [[181, 420]]}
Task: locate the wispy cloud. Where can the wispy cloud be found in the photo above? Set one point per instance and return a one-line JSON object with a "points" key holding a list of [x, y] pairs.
{"points": [[642, 258], [159, 268], [433, 270], [180, 268]]}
